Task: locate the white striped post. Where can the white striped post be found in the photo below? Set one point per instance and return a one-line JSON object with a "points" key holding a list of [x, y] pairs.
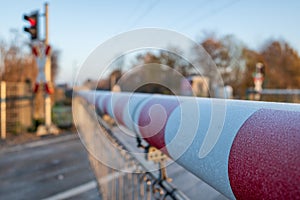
{"points": [[244, 149]]}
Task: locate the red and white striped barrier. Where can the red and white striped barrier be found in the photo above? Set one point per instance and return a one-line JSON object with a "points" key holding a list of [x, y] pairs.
{"points": [[244, 149]]}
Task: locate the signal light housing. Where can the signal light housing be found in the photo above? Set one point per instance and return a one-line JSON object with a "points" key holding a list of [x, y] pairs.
{"points": [[33, 28]]}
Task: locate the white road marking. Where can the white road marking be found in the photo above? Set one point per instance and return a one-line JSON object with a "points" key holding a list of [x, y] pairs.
{"points": [[115, 175], [88, 186], [74, 191], [38, 143]]}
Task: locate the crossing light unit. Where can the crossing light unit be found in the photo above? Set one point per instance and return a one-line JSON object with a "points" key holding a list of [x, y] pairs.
{"points": [[32, 29]]}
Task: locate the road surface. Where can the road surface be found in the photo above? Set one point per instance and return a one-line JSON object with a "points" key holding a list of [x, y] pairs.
{"points": [[58, 168], [51, 168]]}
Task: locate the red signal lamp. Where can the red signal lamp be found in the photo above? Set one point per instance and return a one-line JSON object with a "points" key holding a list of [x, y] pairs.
{"points": [[33, 22]]}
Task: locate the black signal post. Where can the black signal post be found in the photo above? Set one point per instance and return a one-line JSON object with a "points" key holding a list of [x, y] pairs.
{"points": [[32, 29]]}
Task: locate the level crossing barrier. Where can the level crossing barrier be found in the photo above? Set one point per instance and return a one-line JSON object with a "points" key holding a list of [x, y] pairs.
{"points": [[244, 149]]}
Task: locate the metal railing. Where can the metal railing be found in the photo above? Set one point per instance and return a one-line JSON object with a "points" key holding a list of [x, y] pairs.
{"points": [[16, 107], [135, 181]]}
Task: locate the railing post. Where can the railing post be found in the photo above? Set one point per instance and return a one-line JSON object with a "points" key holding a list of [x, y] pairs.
{"points": [[3, 110]]}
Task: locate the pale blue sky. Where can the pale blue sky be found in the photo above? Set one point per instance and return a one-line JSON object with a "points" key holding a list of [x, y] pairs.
{"points": [[78, 27]]}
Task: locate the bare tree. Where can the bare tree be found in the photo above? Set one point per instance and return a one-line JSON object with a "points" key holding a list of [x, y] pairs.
{"points": [[18, 65], [282, 65]]}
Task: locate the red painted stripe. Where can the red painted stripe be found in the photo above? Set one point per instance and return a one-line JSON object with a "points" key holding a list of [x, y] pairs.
{"points": [[264, 161], [119, 108], [150, 129], [35, 51], [47, 50]]}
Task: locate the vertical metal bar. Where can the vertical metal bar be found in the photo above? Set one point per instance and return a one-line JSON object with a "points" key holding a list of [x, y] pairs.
{"points": [[107, 183], [136, 186], [113, 182], [142, 187], [129, 176], [118, 179], [124, 185], [3, 110], [105, 170], [132, 186], [117, 185], [114, 173], [149, 189], [106, 192], [120, 188]]}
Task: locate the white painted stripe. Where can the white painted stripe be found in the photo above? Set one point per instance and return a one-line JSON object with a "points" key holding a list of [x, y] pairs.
{"points": [[74, 191], [131, 108], [39, 143], [100, 101]]}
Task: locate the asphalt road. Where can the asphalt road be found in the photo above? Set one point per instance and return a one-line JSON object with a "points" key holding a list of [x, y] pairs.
{"points": [[51, 168], [58, 168]]}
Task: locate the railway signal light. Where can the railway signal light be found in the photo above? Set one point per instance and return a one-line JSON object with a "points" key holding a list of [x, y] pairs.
{"points": [[33, 28]]}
